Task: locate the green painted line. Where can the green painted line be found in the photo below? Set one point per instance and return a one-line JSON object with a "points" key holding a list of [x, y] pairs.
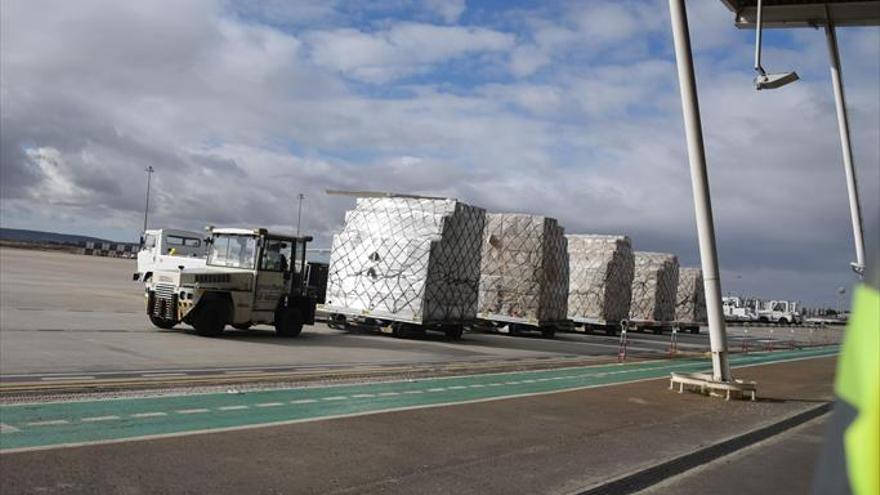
{"points": [[39, 425]]}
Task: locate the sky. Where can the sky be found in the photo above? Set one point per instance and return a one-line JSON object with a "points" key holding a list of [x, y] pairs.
{"points": [[568, 109]]}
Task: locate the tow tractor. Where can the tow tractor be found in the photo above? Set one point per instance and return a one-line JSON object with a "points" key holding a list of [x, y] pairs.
{"points": [[250, 277]]}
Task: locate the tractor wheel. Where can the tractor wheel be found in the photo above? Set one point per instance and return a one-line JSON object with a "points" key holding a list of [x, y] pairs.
{"points": [[783, 321], [453, 332], [211, 318], [289, 322], [162, 322], [242, 326]]}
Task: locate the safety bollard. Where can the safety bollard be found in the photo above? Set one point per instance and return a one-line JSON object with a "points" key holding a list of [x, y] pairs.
{"points": [[673, 342], [621, 346]]}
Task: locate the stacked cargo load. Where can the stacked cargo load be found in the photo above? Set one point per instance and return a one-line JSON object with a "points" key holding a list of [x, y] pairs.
{"points": [[405, 259], [655, 282], [600, 279], [690, 305], [524, 270]]}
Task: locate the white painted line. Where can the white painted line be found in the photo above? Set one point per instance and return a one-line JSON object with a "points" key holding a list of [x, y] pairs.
{"points": [[192, 411], [414, 391], [48, 423], [60, 378], [303, 401], [5, 428], [336, 397], [162, 375], [244, 372], [149, 415], [512, 383], [232, 408], [494, 384], [388, 394], [362, 396], [528, 381], [438, 389], [99, 418], [457, 387], [476, 385], [270, 404]]}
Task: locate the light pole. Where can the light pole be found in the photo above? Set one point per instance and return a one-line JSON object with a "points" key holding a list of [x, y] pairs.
{"points": [[149, 170], [700, 184], [299, 212]]}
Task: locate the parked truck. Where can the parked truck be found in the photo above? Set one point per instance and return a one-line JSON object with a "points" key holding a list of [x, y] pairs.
{"points": [[250, 277], [781, 312]]}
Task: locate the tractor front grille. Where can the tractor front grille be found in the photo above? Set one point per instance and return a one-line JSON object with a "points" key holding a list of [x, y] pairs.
{"points": [[163, 302]]}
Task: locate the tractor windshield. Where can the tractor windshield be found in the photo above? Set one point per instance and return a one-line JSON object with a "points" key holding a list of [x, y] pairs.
{"points": [[234, 251]]}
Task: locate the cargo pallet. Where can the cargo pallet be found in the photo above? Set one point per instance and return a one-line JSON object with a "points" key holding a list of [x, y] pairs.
{"points": [[519, 326], [394, 325]]}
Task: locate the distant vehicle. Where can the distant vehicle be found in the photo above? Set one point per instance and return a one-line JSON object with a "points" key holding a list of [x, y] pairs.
{"points": [[782, 312], [738, 310], [250, 277], [169, 249]]}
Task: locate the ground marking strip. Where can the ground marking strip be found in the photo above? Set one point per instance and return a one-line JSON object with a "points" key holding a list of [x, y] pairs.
{"points": [[149, 414], [48, 423], [363, 413], [61, 378], [457, 387], [192, 411], [363, 396], [99, 418], [388, 394], [270, 404], [162, 375], [4, 428]]}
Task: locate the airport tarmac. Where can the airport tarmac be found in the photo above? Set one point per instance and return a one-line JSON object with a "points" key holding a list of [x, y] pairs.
{"points": [[67, 314], [553, 417]]}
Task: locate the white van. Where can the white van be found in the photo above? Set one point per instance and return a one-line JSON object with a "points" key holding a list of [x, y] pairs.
{"points": [[169, 249]]}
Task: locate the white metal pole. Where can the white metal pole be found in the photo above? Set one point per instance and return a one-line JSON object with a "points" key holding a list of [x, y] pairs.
{"points": [[149, 171], [300, 196], [846, 146], [700, 182]]}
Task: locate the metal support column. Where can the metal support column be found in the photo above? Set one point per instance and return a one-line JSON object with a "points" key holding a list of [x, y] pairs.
{"points": [[846, 147], [700, 182]]}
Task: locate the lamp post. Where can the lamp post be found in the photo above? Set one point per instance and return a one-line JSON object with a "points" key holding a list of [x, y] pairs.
{"points": [[301, 197], [149, 170]]}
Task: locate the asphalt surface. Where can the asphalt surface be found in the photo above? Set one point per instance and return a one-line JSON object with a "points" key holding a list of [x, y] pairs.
{"points": [[778, 465], [553, 443], [72, 316]]}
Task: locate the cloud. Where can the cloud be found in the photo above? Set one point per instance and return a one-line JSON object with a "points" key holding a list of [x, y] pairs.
{"points": [[448, 10], [403, 49]]}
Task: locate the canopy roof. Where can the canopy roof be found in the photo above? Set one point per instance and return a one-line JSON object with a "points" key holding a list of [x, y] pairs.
{"points": [[805, 13]]}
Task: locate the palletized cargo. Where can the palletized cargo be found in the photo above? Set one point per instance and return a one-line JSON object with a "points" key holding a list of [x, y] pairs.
{"points": [[655, 282], [409, 260], [600, 279], [690, 305], [524, 271]]}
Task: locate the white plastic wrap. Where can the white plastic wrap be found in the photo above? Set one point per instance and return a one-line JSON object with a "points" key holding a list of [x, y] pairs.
{"points": [[524, 270], [409, 260], [655, 282], [600, 278], [690, 306]]}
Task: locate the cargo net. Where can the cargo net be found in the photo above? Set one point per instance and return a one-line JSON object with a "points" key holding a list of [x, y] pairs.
{"points": [[655, 282], [524, 269], [600, 279], [404, 259], [690, 305]]}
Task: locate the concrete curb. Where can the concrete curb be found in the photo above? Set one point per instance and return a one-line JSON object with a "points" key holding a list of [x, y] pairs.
{"points": [[647, 477]]}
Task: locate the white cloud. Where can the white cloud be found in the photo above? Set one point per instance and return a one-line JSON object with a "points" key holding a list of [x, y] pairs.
{"points": [[448, 10], [403, 49]]}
